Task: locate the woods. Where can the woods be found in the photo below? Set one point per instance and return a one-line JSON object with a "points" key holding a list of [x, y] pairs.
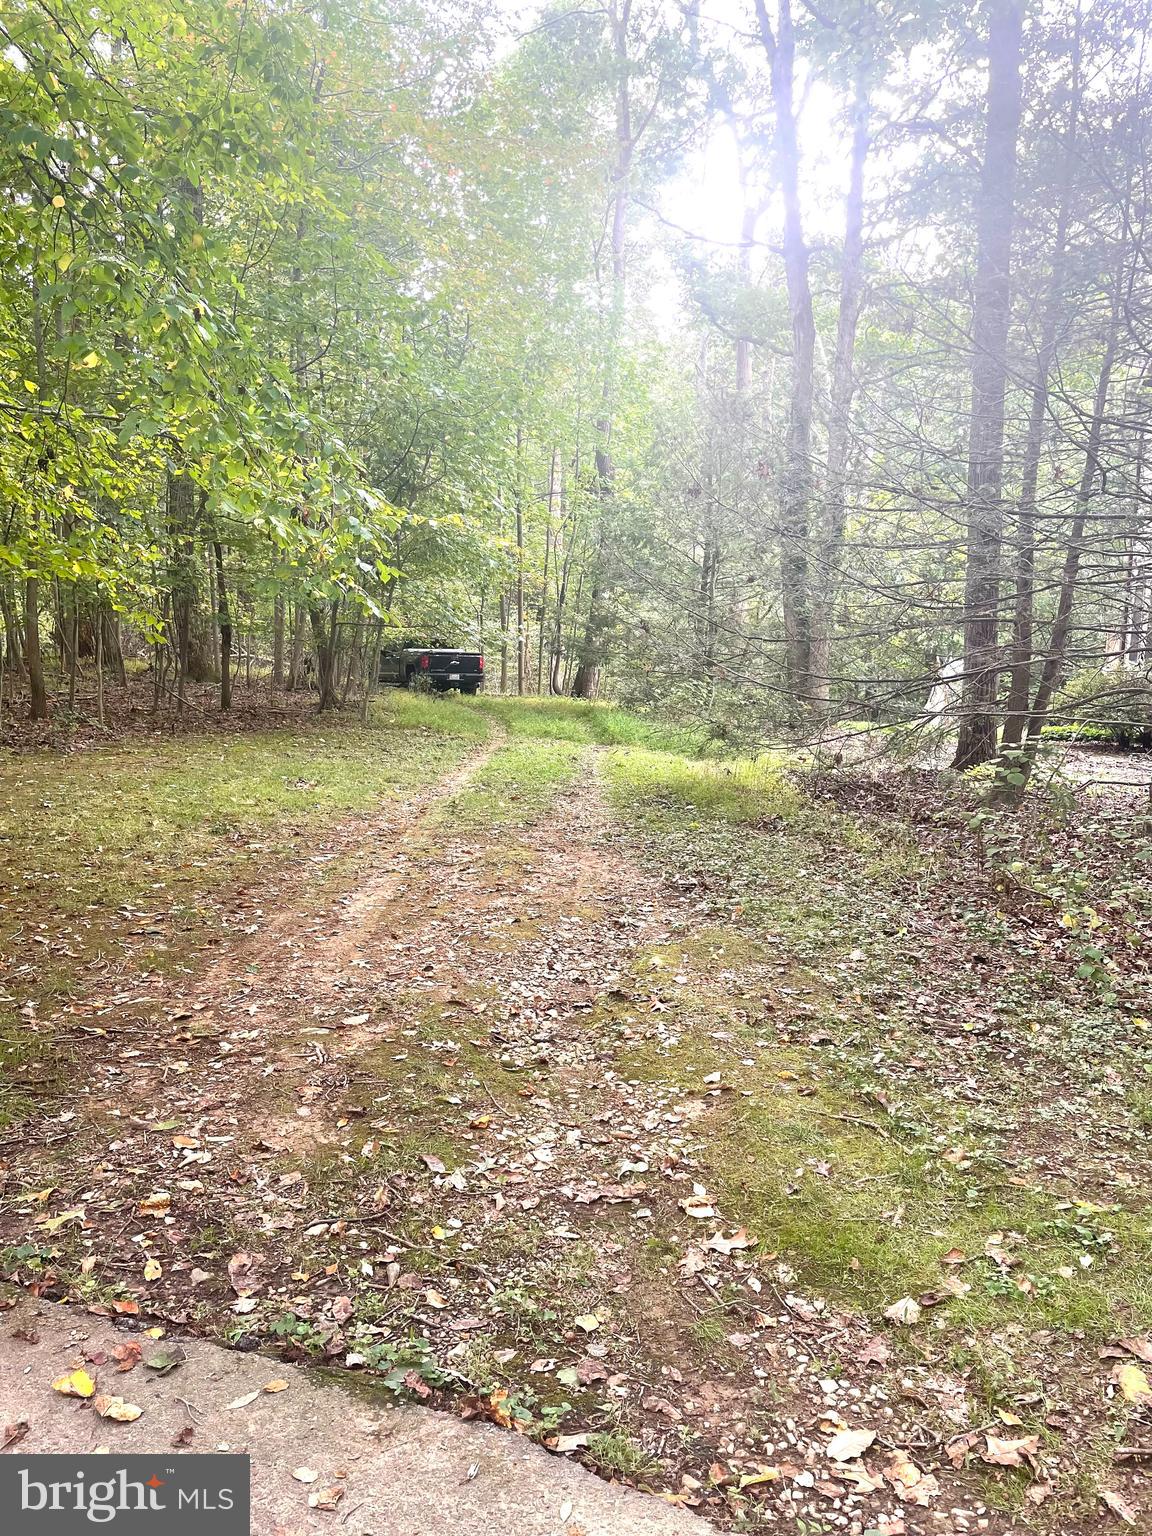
{"points": [[575, 710], [819, 336]]}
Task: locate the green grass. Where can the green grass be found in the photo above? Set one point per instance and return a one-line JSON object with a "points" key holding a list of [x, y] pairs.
{"points": [[743, 790], [135, 834], [590, 724], [861, 1201], [516, 786]]}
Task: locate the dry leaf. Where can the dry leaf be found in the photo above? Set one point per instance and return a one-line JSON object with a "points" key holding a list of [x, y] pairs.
{"points": [[126, 1355], [699, 1206], [589, 1322], [1009, 1453], [1133, 1383], [276, 1386], [242, 1402], [1119, 1506], [726, 1245], [304, 1474], [74, 1384], [905, 1311], [850, 1444], [157, 1204], [910, 1485], [153, 1269], [325, 1498], [242, 1273], [116, 1408]]}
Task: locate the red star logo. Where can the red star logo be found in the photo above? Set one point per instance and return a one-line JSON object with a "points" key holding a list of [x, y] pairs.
{"points": [[154, 1482]]}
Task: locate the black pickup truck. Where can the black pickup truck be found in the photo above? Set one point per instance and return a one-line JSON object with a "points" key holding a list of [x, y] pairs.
{"points": [[436, 667]]}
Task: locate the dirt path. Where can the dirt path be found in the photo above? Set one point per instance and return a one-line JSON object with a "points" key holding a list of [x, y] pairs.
{"points": [[393, 1125]]}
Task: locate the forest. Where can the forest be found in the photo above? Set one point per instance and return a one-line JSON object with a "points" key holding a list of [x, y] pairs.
{"points": [[753, 366], [717, 1051]]}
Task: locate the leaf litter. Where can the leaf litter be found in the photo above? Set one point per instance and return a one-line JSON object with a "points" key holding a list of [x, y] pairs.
{"points": [[494, 1057]]}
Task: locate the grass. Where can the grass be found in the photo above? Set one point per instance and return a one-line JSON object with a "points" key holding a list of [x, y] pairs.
{"points": [[516, 786], [587, 724], [137, 834], [861, 1201]]}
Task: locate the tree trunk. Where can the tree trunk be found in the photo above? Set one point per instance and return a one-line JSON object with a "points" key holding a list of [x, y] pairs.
{"points": [[278, 644], [224, 623], [181, 520], [296, 658], [1020, 675], [33, 660], [992, 302], [1058, 640], [795, 494], [521, 634], [324, 643], [840, 412]]}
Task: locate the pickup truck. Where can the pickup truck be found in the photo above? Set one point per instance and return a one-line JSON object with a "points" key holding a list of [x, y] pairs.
{"points": [[434, 667]]}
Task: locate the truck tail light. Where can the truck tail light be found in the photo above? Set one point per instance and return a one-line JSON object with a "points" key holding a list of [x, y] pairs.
{"points": [[481, 663], [425, 663]]}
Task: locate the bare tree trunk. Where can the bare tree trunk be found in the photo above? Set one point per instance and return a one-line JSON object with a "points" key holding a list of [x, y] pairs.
{"points": [[324, 636], [295, 660], [843, 388], [33, 659], [278, 644], [1058, 640], [521, 635], [992, 302], [796, 474], [224, 623], [1020, 675], [100, 670]]}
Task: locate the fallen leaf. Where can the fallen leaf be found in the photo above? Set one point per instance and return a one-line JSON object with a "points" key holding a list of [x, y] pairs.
{"points": [[74, 1384], [14, 1433], [304, 1474], [242, 1402], [761, 1475], [242, 1273], [1133, 1383], [126, 1355], [164, 1361], [325, 1498], [905, 1311], [276, 1386], [157, 1204], [909, 1483], [153, 1269], [433, 1164], [850, 1444], [589, 1322], [726, 1245], [1119, 1506], [1141, 1348], [1009, 1453], [116, 1408], [126, 1306], [565, 1443], [699, 1206]]}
